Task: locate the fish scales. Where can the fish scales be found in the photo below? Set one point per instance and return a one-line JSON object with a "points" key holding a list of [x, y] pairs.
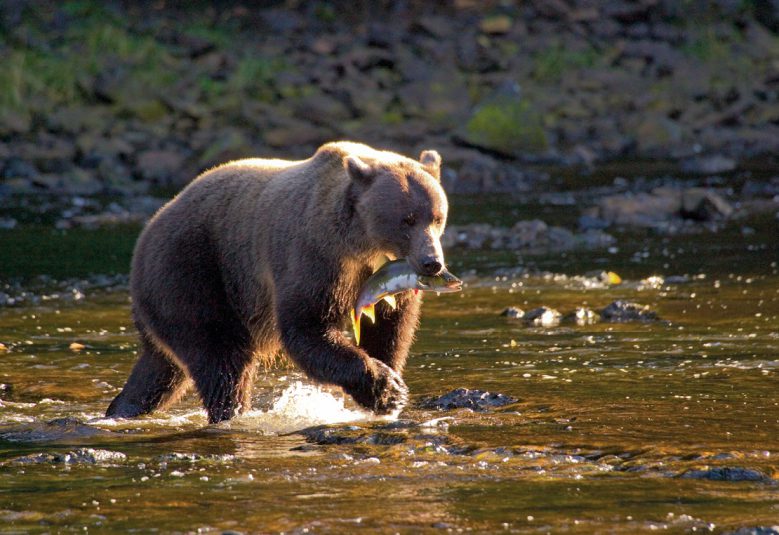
{"points": [[391, 279]]}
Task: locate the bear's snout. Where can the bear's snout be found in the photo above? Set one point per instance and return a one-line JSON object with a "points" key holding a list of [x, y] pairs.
{"points": [[431, 266], [427, 257]]}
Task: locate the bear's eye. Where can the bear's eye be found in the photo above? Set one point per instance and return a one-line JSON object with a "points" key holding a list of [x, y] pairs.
{"points": [[410, 220]]}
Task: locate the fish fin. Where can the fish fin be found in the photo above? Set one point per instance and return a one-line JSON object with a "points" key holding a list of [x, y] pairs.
{"points": [[370, 311], [356, 326], [390, 300]]}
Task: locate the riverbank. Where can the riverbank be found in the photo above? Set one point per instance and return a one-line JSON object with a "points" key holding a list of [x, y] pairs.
{"points": [[124, 98]]}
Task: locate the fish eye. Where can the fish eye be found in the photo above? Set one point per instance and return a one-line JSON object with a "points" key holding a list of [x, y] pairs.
{"points": [[438, 220], [410, 220]]}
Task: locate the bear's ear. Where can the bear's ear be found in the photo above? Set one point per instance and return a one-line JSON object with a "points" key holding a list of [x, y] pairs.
{"points": [[431, 161], [358, 170]]}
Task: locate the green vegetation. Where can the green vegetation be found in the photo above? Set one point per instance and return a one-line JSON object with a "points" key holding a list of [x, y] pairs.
{"points": [[256, 74], [507, 127], [41, 78], [96, 42], [549, 65], [708, 47]]}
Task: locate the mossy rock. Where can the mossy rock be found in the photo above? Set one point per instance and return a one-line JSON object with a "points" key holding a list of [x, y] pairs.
{"points": [[510, 127]]}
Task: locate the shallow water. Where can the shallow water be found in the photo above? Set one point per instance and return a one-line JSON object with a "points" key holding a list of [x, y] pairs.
{"points": [[619, 428]]}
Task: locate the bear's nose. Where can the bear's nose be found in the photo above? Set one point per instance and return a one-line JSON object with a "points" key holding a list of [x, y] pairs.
{"points": [[431, 265]]}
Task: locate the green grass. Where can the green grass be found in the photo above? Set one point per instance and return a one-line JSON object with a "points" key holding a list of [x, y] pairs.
{"points": [[38, 80], [255, 73], [707, 47]]}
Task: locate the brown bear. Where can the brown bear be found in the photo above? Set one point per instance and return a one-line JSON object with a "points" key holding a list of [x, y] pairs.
{"points": [[257, 256]]}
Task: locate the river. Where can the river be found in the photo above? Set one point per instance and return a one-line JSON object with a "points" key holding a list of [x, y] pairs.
{"points": [[671, 424]]}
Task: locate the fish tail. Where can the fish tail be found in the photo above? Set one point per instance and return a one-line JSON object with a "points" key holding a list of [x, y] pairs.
{"points": [[356, 326]]}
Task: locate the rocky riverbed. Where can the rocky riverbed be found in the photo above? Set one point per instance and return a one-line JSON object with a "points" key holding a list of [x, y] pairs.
{"points": [[115, 98]]}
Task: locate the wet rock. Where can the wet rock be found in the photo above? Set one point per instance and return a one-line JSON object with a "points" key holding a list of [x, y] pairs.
{"points": [[708, 165], [605, 278], [704, 205], [757, 530], [78, 456], [588, 222], [384, 435], [326, 435], [463, 398], [661, 207], [525, 234], [54, 430], [195, 458], [620, 311], [531, 236], [642, 209], [543, 316], [8, 223], [115, 215], [725, 473], [581, 316], [513, 313]]}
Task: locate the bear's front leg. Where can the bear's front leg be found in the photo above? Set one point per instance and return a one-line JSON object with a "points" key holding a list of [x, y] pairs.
{"points": [[389, 338], [326, 355]]}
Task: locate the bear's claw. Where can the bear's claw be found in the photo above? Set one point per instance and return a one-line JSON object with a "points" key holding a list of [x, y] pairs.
{"points": [[387, 392]]}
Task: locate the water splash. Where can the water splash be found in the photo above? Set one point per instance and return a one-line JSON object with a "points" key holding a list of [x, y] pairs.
{"points": [[300, 405]]}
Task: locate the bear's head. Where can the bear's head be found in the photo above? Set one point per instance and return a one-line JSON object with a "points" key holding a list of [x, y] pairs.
{"points": [[403, 207]]}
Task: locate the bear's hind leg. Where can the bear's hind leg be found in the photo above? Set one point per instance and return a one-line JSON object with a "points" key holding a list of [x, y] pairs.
{"points": [[223, 376], [154, 383]]}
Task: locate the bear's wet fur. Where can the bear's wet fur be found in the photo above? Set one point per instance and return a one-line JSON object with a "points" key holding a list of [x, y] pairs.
{"points": [[257, 256]]}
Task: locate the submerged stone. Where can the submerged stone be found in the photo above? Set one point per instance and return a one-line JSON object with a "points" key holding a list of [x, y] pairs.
{"points": [[627, 311], [726, 473], [581, 316], [463, 398], [53, 430], [757, 530], [78, 456], [543, 316], [513, 313], [195, 457]]}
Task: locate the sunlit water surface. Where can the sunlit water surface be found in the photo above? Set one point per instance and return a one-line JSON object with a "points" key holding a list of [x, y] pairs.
{"points": [[618, 428]]}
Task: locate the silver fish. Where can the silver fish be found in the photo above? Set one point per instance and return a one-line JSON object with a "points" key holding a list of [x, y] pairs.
{"points": [[393, 278]]}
